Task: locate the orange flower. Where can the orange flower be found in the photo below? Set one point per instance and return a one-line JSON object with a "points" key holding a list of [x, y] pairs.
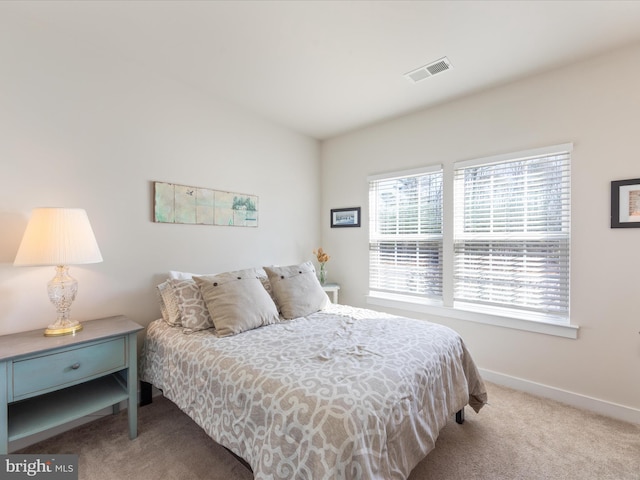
{"points": [[321, 255]]}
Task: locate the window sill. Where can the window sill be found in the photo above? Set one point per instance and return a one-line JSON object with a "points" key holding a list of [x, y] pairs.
{"points": [[458, 312]]}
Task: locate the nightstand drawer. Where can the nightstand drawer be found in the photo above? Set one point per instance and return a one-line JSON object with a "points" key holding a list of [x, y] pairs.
{"points": [[61, 369]]}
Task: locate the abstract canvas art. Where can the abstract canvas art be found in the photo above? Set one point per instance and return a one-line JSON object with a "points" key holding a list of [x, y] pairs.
{"points": [[203, 206]]}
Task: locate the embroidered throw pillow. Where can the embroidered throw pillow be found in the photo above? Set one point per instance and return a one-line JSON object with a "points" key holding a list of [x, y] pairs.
{"points": [[193, 310], [168, 304]]}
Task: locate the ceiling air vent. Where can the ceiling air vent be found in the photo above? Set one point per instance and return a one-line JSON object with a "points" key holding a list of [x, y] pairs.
{"points": [[430, 70]]}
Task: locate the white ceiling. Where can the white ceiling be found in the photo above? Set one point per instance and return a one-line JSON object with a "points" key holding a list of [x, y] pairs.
{"points": [[326, 67]]}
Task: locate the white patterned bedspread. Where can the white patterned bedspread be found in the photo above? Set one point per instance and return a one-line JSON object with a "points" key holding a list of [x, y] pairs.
{"points": [[345, 393]]}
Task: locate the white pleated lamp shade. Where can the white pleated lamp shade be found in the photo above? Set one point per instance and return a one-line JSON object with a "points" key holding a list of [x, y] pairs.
{"points": [[58, 236]]}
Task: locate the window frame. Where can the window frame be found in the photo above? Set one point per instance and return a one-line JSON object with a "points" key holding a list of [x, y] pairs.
{"points": [[446, 307], [379, 237]]}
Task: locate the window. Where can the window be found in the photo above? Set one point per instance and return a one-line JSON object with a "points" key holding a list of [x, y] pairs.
{"points": [[488, 241], [511, 232], [405, 246]]}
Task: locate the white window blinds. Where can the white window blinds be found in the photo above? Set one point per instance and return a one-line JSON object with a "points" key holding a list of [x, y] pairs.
{"points": [[512, 231], [405, 235]]}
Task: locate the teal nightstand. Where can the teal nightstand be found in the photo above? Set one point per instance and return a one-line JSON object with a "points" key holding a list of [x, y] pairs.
{"points": [[49, 381]]}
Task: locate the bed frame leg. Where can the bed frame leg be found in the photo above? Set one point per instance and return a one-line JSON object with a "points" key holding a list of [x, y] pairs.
{"points": [[145, 394], [460, 416]]}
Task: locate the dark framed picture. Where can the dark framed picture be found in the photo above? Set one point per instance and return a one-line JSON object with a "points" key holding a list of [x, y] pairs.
{"points": [[345, 217], [625, 203]]}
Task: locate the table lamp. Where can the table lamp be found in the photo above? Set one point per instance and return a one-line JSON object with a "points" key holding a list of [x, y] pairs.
{"points": [[59, 237]]}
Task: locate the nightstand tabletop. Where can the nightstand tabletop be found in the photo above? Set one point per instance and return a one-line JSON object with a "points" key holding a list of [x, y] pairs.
{"points": [[27, 343]]}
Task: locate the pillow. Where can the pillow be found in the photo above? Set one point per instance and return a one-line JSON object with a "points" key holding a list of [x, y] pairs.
{"points": [[168, 304], [176, 275], [193, 310], [297, 290], [262, 275], [237, 301]]}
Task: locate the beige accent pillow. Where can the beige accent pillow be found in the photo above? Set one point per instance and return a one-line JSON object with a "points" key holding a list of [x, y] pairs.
{"points": [[237, 301], [297, 290], [193, 310], [168, 304]]}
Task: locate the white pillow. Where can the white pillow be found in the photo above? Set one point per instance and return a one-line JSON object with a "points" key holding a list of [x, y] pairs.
{"points": [[237, 301], [176, 275], [297, 290]]}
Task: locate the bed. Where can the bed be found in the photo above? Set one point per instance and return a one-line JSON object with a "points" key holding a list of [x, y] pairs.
{"points": [[340, 392]]}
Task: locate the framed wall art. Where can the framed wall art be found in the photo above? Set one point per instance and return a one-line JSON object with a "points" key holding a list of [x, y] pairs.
{"points": [[625, 203], [203, 206], [345, 217]]}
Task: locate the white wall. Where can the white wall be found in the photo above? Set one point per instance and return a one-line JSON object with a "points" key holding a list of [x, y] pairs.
{"points": [[595, 105], [82, 129]]}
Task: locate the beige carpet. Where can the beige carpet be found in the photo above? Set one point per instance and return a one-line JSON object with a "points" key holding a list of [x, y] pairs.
{"points": [[517, 436]]}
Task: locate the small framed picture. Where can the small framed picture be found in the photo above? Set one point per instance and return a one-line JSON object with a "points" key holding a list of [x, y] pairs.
{"points": [[345, 217], [625, 203]]}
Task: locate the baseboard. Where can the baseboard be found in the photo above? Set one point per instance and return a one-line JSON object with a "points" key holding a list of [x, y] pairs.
{"points": [[602, 407]]}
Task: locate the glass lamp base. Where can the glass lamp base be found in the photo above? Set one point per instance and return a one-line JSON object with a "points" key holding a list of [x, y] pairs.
{"points": [[62, 291]]}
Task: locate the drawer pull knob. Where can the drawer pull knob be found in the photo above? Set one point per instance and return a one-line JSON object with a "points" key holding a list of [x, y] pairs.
{"points": [[75, 366]]}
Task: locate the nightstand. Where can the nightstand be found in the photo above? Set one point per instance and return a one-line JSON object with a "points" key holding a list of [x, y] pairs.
{"points": [[49, 381], [332, 291]]}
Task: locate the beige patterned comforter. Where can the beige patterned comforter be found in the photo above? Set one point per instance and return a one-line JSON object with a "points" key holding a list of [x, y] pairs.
{"points": [[344, 393]]}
